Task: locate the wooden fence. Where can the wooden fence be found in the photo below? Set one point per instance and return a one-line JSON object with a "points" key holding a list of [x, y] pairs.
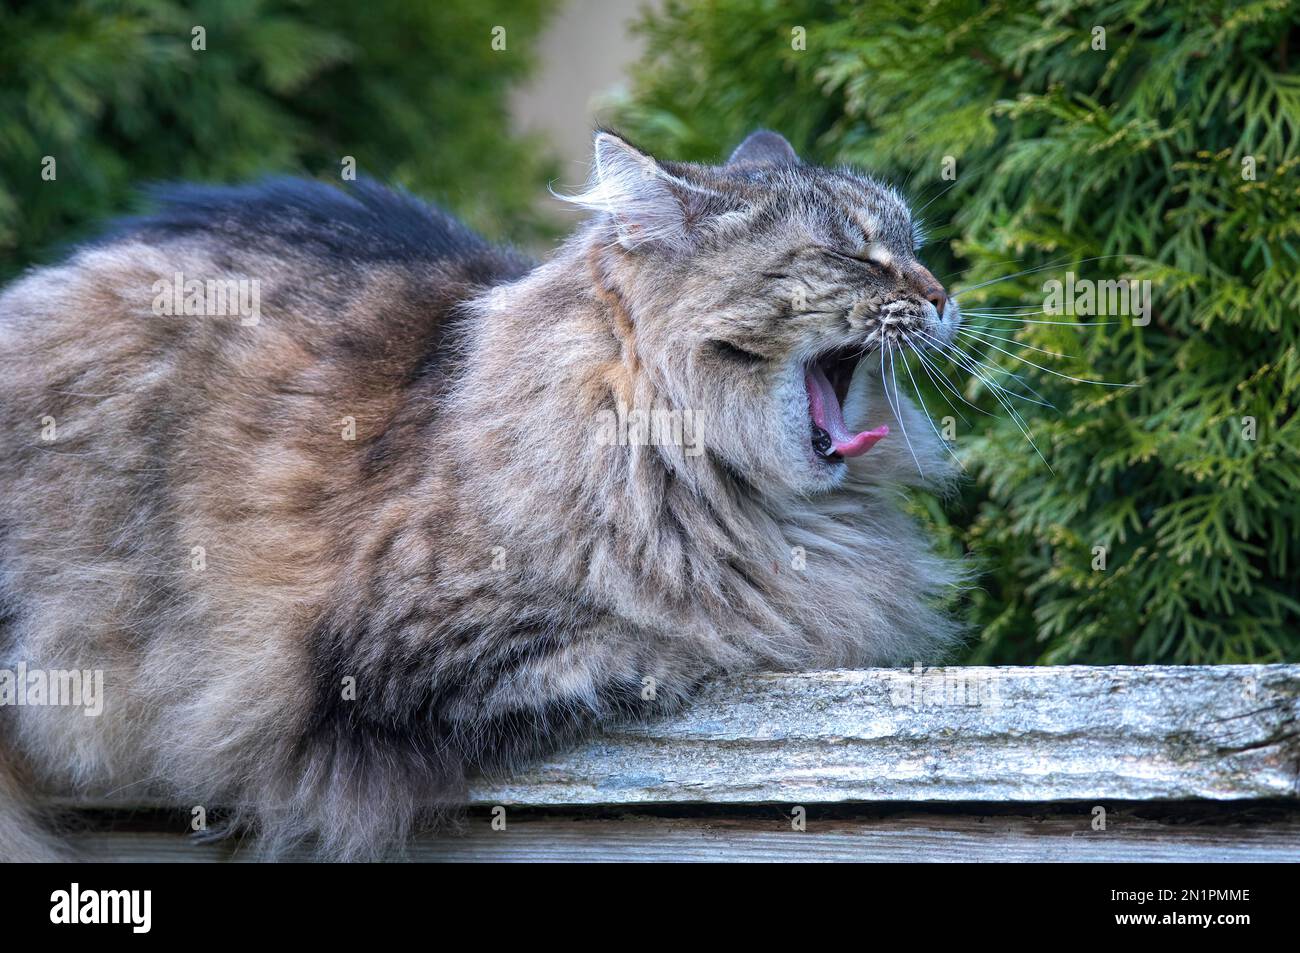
{"points": [[1147, 763]]}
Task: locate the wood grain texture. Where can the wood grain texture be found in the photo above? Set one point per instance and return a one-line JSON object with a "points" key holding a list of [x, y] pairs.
{"points": [[982, 734], [908, 836], [947, 734], [947, 764]]}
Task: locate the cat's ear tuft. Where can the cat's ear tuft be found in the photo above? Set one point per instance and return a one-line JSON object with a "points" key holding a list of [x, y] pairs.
{"points": [[764, 148], [648, 204]]}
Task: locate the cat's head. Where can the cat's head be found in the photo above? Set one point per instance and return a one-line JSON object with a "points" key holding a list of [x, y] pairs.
{"points": [[765, 296]]}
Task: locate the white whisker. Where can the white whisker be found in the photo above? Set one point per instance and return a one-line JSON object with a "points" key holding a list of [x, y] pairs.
{"points": [[1068, 324], [958, 356], [931, 371], [1015, 417], [924, 410], [1048, 370], [894, 404], [1030, 271], [975, 334]]}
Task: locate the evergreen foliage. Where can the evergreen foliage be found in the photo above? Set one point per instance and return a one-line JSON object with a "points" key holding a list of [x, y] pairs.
{"points": [[117, 94], [1168, 156]]}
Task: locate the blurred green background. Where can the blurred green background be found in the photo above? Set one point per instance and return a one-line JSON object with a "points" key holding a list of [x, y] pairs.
{"points": [[117, 94], [1144, 140]]}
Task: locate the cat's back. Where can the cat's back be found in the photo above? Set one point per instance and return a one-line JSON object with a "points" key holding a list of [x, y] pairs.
{"points": [[353, 226], [267, 291], [359, 268], [232, 376]]}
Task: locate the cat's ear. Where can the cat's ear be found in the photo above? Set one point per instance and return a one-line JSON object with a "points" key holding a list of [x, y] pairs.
{"points": [[764, 148], [649, 205]]}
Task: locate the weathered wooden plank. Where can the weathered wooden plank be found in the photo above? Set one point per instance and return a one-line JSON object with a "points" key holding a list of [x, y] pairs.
{"points": [[947, 734], [1228, 738], [906, 836], [942, 734]]}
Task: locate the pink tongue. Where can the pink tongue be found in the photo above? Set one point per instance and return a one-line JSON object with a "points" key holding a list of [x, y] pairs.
{"points": [[826, 413]]}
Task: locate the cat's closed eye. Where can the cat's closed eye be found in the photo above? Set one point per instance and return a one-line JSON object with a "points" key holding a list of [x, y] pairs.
{"points": [[866, 255], [735, 352]]}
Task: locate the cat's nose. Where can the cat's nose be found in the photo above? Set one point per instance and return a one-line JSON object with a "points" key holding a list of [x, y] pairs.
{"points": [[938, 298], [930, 289]]}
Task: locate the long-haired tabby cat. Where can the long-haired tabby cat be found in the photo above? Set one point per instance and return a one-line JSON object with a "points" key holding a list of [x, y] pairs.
{"points": [[432, 510]]}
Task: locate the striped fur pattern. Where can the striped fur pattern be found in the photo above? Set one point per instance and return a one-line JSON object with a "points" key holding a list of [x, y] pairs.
{"points": [[334, 562]]}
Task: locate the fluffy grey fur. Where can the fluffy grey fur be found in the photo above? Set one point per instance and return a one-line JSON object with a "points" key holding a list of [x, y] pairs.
{"points": [[479, 574]]}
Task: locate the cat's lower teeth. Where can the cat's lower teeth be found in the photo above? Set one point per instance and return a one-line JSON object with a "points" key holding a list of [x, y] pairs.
{"points": [[822, 442]]}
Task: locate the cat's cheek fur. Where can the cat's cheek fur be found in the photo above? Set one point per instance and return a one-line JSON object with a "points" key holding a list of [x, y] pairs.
{"points": [[759, 425]]}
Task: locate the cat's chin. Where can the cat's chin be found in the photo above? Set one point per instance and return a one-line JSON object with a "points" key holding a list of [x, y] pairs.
{"points": [[824, 475]]}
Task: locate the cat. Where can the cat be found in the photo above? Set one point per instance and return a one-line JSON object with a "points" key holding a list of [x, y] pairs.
{"points": [[416, 508]]}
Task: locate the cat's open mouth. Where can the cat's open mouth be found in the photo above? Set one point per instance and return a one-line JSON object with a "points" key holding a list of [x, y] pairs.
{"points": [[827, 380]]}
